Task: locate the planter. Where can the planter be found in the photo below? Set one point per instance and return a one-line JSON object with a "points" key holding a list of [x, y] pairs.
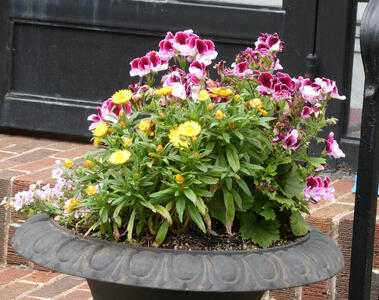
{"points": [[120, 271]]}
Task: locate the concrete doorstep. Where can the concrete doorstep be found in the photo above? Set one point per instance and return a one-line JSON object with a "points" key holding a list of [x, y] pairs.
{"points": [[25, 159]]}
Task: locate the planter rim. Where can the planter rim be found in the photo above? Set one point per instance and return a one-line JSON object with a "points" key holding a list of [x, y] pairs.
{"points": [[313, 258]]}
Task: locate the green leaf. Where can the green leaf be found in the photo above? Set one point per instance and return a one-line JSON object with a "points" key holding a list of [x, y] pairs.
{"points": [[118, 221], [226, 137], [131, 224], [298, 225], [202, 192], [229, 183], [242, 184], [315, 161], [161, 235], [164, 213], [232, 157], [239, 135], [237, 198], [268, 212], [201, 206], [180, 207], [195, 216], [229, 206], [190, 194], [117, 210], [201, 167], [293, 183], [263, 232], [208, 179]]}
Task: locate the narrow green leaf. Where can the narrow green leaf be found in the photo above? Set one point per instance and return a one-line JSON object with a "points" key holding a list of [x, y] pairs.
{"points": [[208, 179], [237, 198], [229, 206], [232, 157], [180, 207], [164, 213], [117, 220], [190, 194], [161, 235], [201, 205], [201, 167], [117, 210], [226, 137], [195, 216], [229, 183], [130, 225], [242, 184]]}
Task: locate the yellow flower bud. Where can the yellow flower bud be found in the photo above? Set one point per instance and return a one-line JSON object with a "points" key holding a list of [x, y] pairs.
{"points": [[96, 141], [179, 179], [127, 142], [89, 163], [237, 98], [219, 114], [210, 106], [203, 96], [68, 163], [159, 148], [122, 124], [91, 190]]}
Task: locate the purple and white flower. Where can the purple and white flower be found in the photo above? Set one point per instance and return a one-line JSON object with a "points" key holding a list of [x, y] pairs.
{"points": [[318, 189], [332, 147]]}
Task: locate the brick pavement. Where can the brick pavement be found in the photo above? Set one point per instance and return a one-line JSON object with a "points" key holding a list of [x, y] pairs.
{"points": [[26, 159]]}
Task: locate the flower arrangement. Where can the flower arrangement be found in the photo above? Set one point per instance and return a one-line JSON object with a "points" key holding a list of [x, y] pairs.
{"points": [[192, 151]]}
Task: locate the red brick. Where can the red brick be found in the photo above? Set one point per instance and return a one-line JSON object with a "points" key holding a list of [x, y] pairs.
{"points": [[36, 165], [12, 257], [84, 286], [78, 152], [39, 276], [33, 155], [30, 144], [28, 298], [19, 186], [44, 176], [343, 186], [347, 198], [4, 146], [9, 174], [11, 274], [57, 287], [319, 223], [14, 139], [8, 164], [13, 290], [76, 295], [65, 146], [4, 155], [345, 234], [315, 291], [40, 268], [332, 210], [287, 294]]}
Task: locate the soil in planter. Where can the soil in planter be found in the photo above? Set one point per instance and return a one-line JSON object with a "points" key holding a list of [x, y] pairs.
{"points": [[194, 240]]}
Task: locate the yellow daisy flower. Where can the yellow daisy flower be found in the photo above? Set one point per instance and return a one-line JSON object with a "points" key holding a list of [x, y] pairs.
{"points": [[70, 204], [91, 190], [68, 163], [100, 130], [119, 157], [122, 96], [127, 142], [221, 92], [164, 91], [147, 127], [189, 128], [175, 139], [219, 114], [255, 103], [203, 96]]}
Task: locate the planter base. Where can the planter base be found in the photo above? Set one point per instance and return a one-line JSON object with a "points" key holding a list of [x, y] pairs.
{"points": [[105, 291]]}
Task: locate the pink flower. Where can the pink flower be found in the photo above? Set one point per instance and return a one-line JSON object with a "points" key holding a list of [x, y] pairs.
{"points": [[205, 51], [134, 67], [144, 66], [329, 87], [241, 69], [157, 64], [279, 87], [318, 189], [332, 147], [269, 43], [290, 139], [198, 69]]}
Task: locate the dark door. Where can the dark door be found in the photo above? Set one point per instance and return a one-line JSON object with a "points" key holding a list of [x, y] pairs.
{"points": [[60, 59]]}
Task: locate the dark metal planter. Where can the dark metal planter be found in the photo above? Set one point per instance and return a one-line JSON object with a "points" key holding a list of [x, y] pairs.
{"points": [[120, 271]]}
